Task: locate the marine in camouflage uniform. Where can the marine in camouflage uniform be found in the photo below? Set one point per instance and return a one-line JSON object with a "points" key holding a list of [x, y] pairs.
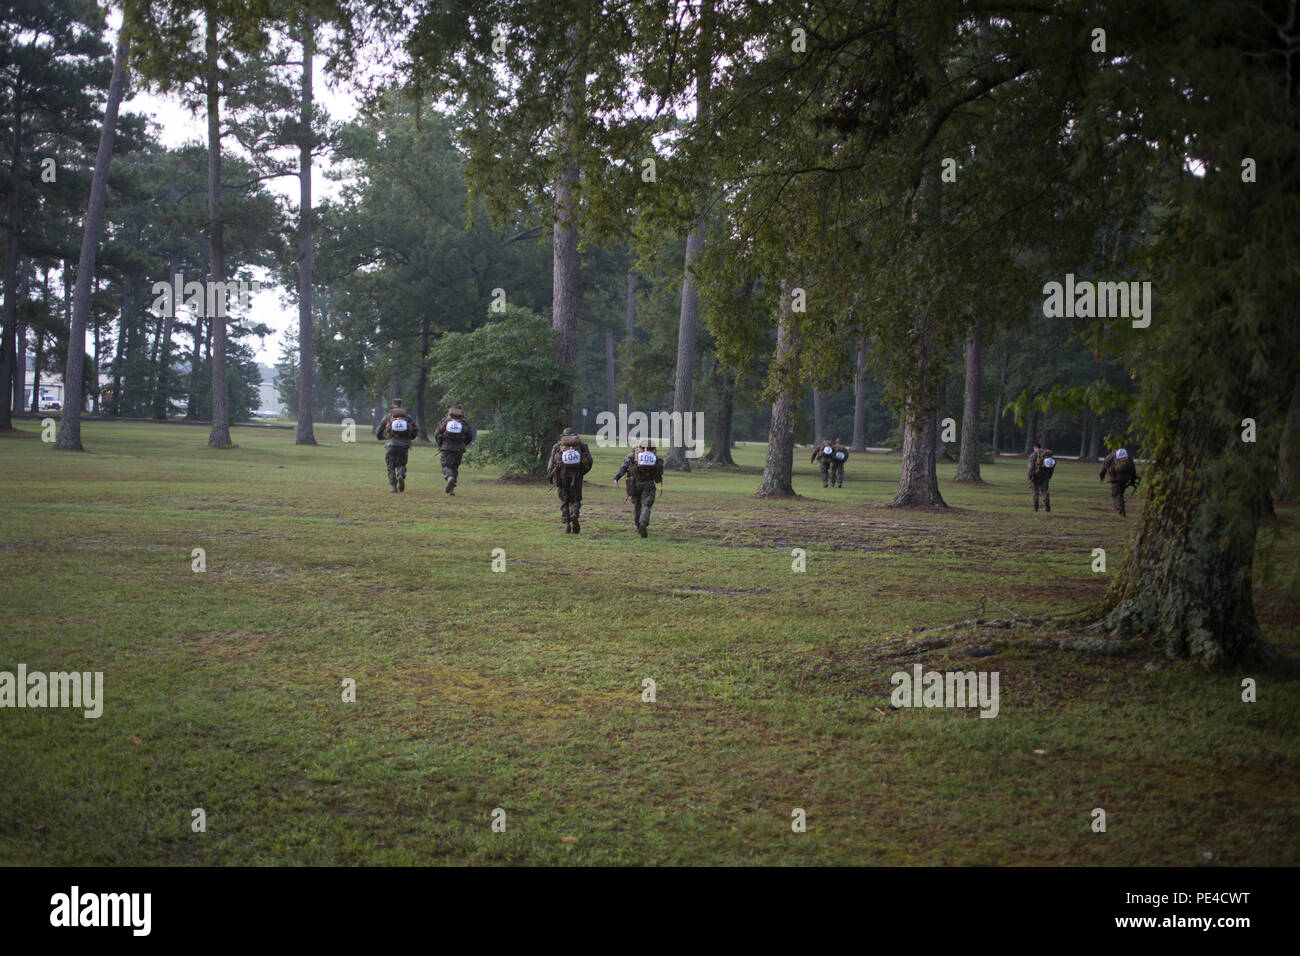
{"points": [[397, 429], [453, 435], [1040, 477], [824, 454], [641, 483], [1118, 464], [567, 479], [839, 456]]}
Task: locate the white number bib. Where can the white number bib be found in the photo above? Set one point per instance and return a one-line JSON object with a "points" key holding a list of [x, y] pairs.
{"points": [[570, 456], [826, 449], [1049, 462], [398, 425], [646, 458], [455, 426], [839, 456]]}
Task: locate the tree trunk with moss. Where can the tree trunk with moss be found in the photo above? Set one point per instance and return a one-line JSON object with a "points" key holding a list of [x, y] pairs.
{"points": [[778, 469]]}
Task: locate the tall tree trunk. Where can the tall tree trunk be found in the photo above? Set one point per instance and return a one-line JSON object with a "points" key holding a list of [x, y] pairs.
{"points": [[1031, 432], [1001, 402], [1094, 439], [70, 431], [37, 359], [565, 289], [422, 384], [123, 346], [860, 400], [968, 462], [20, 340], [918, 482], [163, 366], [778, 469], [306, 357], [631, 302], [95, 367], [724, 386], [819, 416], [196, 368], [1288, 458], [1084, 419], [609, 370], [220, 434], [8, 339], [684, 385]]}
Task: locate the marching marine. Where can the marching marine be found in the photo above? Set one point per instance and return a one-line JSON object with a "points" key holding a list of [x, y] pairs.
{"points": [[397, 429], [1041, 467], [824, 454], [453, 435], [569, 461], [643, 469], [1119, 466], [839, 455]]}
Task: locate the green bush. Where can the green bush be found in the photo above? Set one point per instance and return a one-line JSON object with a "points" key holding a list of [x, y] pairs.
{"points": [[505, 377]]}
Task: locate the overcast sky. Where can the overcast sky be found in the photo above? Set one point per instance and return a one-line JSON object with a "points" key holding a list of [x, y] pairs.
{"points": [[177, 125]]}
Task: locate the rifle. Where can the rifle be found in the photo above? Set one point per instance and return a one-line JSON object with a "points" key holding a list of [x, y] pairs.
{"points": [[1133, 483]]}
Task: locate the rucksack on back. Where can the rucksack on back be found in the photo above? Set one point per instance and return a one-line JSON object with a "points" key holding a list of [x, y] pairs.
{"points": [[841, 452], [568, 453], [455, 427], [646, 466], [399, 428]]}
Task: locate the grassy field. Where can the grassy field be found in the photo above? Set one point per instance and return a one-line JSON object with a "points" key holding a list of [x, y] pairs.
{"points": [[523, 689]]}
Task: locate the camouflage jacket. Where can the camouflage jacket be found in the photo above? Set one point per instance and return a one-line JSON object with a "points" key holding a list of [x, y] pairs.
{"points": [[583, 466], [450, 441], [1122, 471], [1036, 459], [641, 473], [384, 430]]}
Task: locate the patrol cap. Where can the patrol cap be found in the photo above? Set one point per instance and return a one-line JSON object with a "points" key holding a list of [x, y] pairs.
{"points": [[568, 431], [456, 411]]}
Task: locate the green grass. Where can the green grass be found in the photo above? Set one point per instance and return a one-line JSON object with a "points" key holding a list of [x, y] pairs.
{"points": [[522, 689]]}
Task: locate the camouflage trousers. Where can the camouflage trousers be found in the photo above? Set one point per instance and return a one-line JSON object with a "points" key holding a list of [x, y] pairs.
{"points": [[395, 456], [826, 470], [642, 494], [837, 473], [570, 492], [1043, 489], [451, 464], [1117, 489]]}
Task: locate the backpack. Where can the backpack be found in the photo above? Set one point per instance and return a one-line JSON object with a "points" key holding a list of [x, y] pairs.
{"points": [[1045, 466], [826, 451], [455, 427], [646, 466], [841, 453], [568, 453], [399, 428]]}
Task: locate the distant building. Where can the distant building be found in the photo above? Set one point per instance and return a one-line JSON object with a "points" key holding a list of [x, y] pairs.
{"points": [[268, 397]]}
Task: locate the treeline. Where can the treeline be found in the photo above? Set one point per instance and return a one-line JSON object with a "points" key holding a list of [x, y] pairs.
{"points": [[751, 209]]}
